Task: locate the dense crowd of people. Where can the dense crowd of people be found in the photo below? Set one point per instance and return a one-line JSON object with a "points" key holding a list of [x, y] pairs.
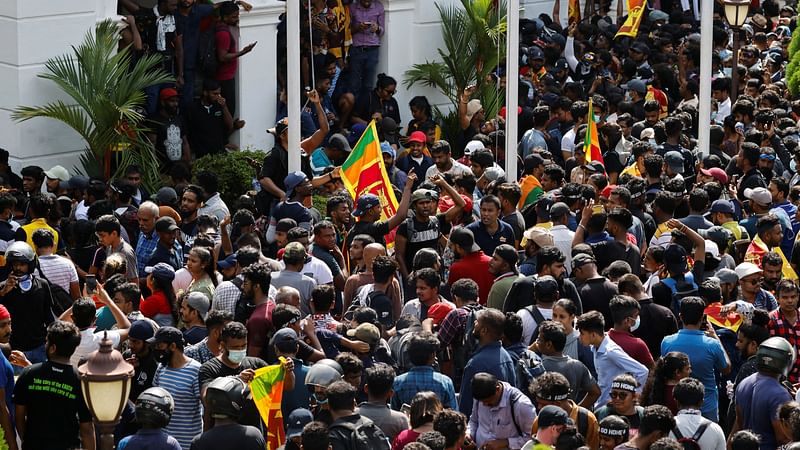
{"points": [[644, 300]]}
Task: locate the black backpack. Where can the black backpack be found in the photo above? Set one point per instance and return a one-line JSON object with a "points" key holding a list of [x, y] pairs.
{"points": [[691, 443], [364, 435], [537, 317], [60, 300], [243, 309], [207, 62], [529, 367]]}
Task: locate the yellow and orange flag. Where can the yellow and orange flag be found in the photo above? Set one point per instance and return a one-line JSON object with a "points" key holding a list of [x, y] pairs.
{"points": [[591, 143], [365, 173], [267, 390], [574, 11], [635, 13]]}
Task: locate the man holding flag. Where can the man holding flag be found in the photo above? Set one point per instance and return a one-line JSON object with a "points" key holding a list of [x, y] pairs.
{"points": [[364, 175]]}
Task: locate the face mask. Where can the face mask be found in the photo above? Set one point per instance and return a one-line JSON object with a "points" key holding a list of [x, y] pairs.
{"points": [[236, 356], [318, 400], [636, 324], [25, 283], [727, 71], [723, 54], [163, 356]]}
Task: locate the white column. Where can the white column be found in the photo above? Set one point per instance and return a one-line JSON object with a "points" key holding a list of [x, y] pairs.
{"points": [[397, 52], [32, 32], [258, 76], [512, 88], [293, 81], [706, 48]]}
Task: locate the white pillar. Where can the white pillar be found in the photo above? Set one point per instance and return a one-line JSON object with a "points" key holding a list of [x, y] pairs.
{"points": [[258, 77], [32, 32], [397, 50], [512, 88], [706, 48], [293, 81]]}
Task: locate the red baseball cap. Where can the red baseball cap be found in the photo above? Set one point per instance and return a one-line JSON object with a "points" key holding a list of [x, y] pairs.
{"points": [[168, 93], [717, 173], [439, 311], [606, 192], [418, 136]]}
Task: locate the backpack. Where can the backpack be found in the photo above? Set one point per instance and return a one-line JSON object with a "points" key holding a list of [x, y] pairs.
{"points": [[382, 304], [399, 348], [537, 317], [691, 443], [207, 63], [687, 288], [528, 367], [243, 309], [430, 234], [464, 350], [363, 435]]}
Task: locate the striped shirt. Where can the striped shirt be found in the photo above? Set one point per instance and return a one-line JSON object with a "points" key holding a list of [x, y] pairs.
{"points": [[184, 386], [58, 270]]}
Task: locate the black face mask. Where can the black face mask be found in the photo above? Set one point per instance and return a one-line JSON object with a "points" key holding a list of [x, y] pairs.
{"points": [[767, 172], [163, 356]]}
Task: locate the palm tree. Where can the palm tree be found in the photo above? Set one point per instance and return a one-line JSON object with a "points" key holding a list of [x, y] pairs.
{"points": [[474, 36], [107, 90]]}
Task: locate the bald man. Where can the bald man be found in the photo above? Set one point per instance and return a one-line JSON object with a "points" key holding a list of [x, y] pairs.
{"points": [[354, 282], [288, 296]]}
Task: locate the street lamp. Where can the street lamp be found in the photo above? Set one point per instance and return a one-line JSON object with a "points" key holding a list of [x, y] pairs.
{"points": [[736, 13], [105, 379]]}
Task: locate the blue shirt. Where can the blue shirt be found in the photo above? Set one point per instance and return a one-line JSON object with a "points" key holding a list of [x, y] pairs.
{"points": [[490, 358], [423, 378], [488, 242], [319, 161], [144, 248], [191, 31], [149, 439], [7, 382], [173, 257], [610, 360], [407, 164], [707, 357], [297, 397], [758, 397]]}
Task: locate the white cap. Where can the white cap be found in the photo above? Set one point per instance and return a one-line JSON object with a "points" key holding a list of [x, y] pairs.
{"points": [[472, 147], [746, 269]]}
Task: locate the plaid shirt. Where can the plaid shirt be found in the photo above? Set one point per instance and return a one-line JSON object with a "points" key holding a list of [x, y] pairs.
{"points": [[144, 248], [423, 378], [779, 326], [453, 326]]}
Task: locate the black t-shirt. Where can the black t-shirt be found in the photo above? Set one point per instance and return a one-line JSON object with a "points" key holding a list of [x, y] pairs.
{"points": [[169, 133], [234, 436], [371, 104], [143, 374], [214, 368], [657, 322], [595, 294], [752, 179], [426, 235], [206, 129], [30, 314], [51, 393], [609, 251], [378, 230]]}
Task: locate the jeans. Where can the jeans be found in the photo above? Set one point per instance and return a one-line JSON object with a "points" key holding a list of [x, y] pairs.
{"points": [[363, 64]]}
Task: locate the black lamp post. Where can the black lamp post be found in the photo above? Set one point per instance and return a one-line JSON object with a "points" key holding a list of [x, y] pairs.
{"points": [[105, 379], [736, 13]]}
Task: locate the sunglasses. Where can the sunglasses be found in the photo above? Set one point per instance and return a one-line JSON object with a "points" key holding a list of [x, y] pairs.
{"points": [[619, 395]]}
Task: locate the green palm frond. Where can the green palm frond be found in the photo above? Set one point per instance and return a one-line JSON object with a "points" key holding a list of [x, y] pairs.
{"points": [[106, 91]]}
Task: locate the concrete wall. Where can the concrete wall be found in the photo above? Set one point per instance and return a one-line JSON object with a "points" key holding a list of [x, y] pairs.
{"points": [[35, 30]]}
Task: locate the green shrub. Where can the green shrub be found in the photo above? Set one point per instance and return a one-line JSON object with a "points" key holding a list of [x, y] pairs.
{"points": [[792, 76], [234, 173]]}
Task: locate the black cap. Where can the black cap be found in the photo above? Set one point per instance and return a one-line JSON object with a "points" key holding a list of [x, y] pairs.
{"points": [[546, 287], [553, 415], [169, 335], [166, 224], [464, 239], [508, 254]]}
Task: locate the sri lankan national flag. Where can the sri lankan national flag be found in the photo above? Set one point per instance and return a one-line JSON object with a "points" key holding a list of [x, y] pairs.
{"points": [[591, 144], [365, 173], [267, 390], [531, 190], [732, 320], [574, 11], [631, 26]]}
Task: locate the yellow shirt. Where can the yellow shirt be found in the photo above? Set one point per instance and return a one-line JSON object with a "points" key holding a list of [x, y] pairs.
{"points": [[37, 224], [633, 169]]}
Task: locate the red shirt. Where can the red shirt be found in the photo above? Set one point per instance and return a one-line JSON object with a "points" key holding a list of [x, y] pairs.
{"points": [[633, 346], [224, 38], [476, 267], [154, 305]]}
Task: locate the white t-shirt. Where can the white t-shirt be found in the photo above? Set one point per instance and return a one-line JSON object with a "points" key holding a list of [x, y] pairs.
{"points": [[315, 268], [529, 325], [90, 341], [568, 141]]}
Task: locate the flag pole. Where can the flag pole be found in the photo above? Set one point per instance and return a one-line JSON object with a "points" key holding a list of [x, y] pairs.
{"points": [[293, 82], [512, 87], [706, 48]]}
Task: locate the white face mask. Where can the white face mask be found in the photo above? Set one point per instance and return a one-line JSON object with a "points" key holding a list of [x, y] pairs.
{"points": [[636, 324], [727, 71], [236, 356], [25, 283]]}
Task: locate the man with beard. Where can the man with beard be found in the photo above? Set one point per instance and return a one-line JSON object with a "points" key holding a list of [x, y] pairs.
{"points": [[443, 161], [339, 210], [325, 249], [747, 163], [168, 132], [179, 376], [193, 196], [768, 239], [425, 228], [298, 187], [415, 160], [550, 261], [772, 265], [783, 322], [503, 266], [208, 120], [255, 289], [27, 297], [141, 357], [651, 111]]}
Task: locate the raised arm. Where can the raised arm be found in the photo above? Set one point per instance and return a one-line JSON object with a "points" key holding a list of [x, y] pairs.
{"points": [[402, 209]]}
